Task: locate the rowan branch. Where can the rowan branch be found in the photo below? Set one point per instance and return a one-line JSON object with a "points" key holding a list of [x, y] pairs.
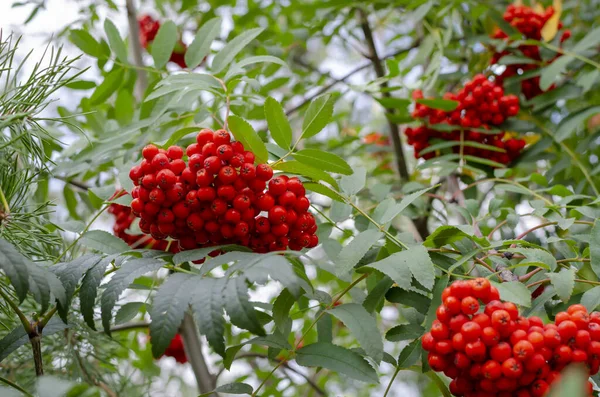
{"points": [[380, 72]]}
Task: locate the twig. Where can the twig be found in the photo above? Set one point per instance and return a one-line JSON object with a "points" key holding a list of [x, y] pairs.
{"points": [[380, 72], [343, 79], [312, 383], [129, 326]]}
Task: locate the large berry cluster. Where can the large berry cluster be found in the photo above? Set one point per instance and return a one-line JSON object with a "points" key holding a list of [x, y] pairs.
{"points": [[487, 348], [123, 220], [529, 22], [149, 28], [482, 105], [219, 197]]}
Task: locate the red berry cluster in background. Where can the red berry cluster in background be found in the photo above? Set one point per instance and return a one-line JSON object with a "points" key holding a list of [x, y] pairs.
{"points": [[176, 350], [149, 28], [482, 105], [529, 22], [123, 220], [487, 348], [219, 197]]}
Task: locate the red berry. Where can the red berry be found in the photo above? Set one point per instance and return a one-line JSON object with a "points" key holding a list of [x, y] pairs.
{"points": [[264, 172], [149, 151], [175, 152]]}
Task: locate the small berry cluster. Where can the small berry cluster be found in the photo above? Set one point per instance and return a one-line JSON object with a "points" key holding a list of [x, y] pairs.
{"points": [[176, 350], [123, 220], [481, 105], [219, 197], [529, 22], [491, 350], [149, 28]]}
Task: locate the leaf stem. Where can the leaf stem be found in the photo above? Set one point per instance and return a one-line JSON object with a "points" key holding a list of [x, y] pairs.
{"points": [[81, 234], [227, 101], [24, 320], [4, 203], [15, 386], [389, 386]]}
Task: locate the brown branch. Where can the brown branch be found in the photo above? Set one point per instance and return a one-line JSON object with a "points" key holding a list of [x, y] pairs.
{"points": [[193, 351], [380, 72], [136, 49]]}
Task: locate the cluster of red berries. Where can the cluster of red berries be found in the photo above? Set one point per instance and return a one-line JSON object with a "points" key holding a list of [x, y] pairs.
{"points": [[481, 105], [529, 22], [219, 197], [176, 350], [149, 28], [490, 350], [123, 220]]}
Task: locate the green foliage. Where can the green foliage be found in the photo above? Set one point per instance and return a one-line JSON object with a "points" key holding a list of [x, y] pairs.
{"points": [[289, 81]]}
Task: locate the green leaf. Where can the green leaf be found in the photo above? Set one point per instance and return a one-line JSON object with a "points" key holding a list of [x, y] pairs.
{"points": [[537, 257], [128, 311], [404, 332], [124, 107], [324, 190], [441, 104], [409, 298], [85, 42], [240, 310], [563, 282], [363, 326], [325, 329], [164, 43], [376, 296], [324, 160], [281, 311], [200, 47], [115, 41], [102, 241], [168, 308], [394, 267], [445, 235], [594, 248], [394, 103], [591, 298], [393, 211], [121, 279], [353, 252], [231, 49], [570, 123], [89, 289], [43, 283], [207, 305], [318, 115], [243, 132], [15, 265], [279, 126], [573, 381], [296, 167], [337, 359], [231, 388], [514, 291], [111, 83], [410, 355], [436, 300], [417, 260], [352, 184]]}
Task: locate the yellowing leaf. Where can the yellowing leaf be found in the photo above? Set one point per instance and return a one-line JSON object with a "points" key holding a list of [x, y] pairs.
{"points": [[518, 3], [551, 26], [538, 8], [531, 139]]}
